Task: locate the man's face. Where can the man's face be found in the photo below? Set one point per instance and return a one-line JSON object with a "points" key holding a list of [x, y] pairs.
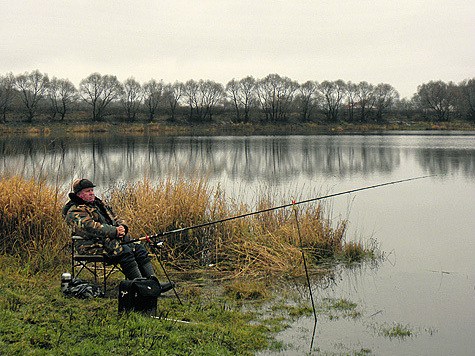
{"points": [[87, 194]]}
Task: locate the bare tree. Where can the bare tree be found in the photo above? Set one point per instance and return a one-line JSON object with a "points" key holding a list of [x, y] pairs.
{"points": [[210, 95], [333, 94], [190, 94], [7, 85], [466, 99], [242, 94], [32, 87], [99, 91], [275, 94], [131, 95], [385, 97], [153, 95], [62, 93], [436, 97], [232, 90], [365, 95], [173, 93], [307, 99], [202, 97], [351, 90]]}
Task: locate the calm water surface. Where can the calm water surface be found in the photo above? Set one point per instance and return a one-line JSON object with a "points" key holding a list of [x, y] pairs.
{"points": [[425, 227]]}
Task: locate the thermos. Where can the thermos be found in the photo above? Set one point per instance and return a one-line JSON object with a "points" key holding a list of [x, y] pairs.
{"points": [[65, 279]]}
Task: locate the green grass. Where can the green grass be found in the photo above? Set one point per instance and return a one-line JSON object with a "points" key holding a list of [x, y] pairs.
{"points": [[36, 318], [397, 330]]}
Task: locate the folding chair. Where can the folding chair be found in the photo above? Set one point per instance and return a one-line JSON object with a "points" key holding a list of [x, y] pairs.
{"points": [[94, 264]]}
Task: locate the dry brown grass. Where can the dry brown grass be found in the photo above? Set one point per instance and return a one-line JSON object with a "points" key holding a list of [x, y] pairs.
{"points": [[30, 222], [262, 244], [259, 245]]}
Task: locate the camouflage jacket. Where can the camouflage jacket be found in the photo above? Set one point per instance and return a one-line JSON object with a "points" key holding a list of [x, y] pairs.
{"points": [[96, 223]]}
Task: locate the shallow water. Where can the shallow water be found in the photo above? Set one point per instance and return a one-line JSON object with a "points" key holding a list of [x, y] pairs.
{"points": [[424, 227]]}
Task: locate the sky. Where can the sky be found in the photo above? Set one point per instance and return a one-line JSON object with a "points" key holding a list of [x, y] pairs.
{"points": [[403, 43]]}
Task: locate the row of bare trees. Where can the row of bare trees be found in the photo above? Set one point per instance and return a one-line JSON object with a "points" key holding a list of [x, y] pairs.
{"points": [[273, 99]]}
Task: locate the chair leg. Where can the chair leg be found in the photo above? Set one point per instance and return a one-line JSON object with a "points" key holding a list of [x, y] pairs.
{"points": [[104, 276], [72, 260]]}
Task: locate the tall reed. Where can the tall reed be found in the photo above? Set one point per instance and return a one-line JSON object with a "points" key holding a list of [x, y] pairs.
{"points": [[30, 222]]}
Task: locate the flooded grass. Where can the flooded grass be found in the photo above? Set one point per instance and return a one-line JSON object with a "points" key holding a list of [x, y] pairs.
{"points": [[246, 290], [238, 317], [396, 331]]}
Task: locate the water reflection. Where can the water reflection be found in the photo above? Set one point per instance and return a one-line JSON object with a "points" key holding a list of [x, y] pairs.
{"points": [[108, 159], [441, 161]]}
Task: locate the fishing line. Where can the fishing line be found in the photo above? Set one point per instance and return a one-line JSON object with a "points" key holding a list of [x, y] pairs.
{"points": [[176, 231], [293, 204]]}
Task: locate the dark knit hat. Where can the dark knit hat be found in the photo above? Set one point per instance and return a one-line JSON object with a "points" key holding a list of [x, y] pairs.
{"points": [[81, 184]]}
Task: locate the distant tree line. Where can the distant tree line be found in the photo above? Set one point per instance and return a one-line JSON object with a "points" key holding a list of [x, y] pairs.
{"points": [[273, 99]]}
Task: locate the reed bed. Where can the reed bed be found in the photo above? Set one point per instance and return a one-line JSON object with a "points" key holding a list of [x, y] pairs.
{"points": [[259, 245], [30, 224], [263, 244]]}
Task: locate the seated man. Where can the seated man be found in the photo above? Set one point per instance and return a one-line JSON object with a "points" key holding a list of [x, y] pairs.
{"points": [[93, 220]]}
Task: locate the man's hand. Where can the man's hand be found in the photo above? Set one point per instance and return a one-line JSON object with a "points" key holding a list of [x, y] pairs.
{"points": [[120, 231]]}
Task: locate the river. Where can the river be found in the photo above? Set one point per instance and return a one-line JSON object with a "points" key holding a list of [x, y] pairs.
{"points": [[425, 227]]}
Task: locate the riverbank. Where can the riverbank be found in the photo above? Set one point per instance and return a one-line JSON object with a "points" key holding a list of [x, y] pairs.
{"points": [[233, 305], [37, 318], [240, 317], [45, 128]]}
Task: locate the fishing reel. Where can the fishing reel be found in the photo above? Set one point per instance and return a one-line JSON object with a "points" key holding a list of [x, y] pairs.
{"points": [[158, 244]]}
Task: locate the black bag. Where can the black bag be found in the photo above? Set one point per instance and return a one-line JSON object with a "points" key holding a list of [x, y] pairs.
{"points": [[139, 295]]}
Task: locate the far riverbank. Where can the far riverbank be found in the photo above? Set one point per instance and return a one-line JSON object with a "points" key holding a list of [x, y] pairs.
{"points": [[218, 129]]}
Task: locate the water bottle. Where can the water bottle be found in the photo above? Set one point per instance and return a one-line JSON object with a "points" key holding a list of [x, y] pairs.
{"points": [[65, 279]]}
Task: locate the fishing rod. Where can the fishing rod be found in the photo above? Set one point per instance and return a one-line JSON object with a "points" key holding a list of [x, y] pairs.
{"points": [[176, 231]]}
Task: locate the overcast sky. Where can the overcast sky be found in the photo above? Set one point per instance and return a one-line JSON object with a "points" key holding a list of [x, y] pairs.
{"points": [[404, 43]]}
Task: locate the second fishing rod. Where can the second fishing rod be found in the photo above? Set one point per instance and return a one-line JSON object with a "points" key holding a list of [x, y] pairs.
{"points": [[183, 229]]}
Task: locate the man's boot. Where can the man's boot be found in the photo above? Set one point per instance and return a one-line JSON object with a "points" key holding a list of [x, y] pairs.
{"points": [[147, 269], [165, 287], [148, 272], [131, 270]]}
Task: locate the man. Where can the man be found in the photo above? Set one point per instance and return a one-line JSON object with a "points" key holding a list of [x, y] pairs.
{"points": [[90, 218]]}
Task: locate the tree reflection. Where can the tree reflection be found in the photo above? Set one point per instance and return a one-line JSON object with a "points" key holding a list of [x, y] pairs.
{"points": [[108, 159]]}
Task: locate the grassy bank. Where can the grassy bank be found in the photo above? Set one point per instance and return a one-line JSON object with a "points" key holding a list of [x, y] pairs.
{"points": [[218, 268], [35, 318]]}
